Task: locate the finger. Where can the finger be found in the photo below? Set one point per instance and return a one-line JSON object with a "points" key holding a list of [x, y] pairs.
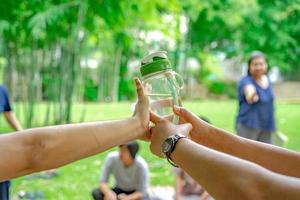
{"points": [[186, 127], [182, 121], [139, 88], [185, 114], [155, 118]]}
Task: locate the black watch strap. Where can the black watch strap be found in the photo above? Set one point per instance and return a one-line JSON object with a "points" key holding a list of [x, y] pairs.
{"points": [[174, 138]]}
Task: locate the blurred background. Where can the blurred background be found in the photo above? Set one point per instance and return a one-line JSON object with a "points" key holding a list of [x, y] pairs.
{"points": [[71, 61]]}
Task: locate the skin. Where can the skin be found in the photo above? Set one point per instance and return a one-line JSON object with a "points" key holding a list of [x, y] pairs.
{"points": [[109, 194], [274, 158], [12, 120], [178, 187], [258, 68], [38, 149], [227, 166]]}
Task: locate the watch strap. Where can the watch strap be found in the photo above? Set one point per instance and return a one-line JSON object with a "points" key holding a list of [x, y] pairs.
{"points": [[175, 138]]}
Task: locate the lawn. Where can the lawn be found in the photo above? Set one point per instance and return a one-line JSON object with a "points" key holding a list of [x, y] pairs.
{"points": [[78, 179]]}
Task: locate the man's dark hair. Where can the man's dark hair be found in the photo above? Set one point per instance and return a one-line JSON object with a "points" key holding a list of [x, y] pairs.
{"points": [[133, 148]]}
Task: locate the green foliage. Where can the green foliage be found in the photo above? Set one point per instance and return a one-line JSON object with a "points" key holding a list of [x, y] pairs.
{"points": [[222, 88], [90, 90], [239, 27], [44, 43], [39, 22], [216, 87], [210, 67]]}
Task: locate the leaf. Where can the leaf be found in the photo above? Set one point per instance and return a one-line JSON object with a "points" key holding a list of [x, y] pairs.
{"points": [[39, 22]]}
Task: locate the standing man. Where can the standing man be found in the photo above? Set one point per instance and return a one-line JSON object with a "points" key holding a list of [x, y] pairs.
{"points": [[10, 117], [130, 172]]}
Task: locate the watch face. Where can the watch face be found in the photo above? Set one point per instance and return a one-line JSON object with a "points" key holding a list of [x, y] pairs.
{"points": [[167, 145]]}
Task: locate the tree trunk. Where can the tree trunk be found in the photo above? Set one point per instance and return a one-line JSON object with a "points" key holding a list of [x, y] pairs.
{"points": [[116, 73], [74, 61]]}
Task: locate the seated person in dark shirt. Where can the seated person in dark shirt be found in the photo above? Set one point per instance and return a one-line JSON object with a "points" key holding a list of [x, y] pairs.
{"points": [[130, 172]]}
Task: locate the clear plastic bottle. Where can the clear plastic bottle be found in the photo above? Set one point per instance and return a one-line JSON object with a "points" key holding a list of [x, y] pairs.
{"points": [[161, 84]]}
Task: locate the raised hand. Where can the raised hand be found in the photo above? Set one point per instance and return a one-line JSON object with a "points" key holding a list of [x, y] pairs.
{"points": [[141, 112], [163, 129], [200, 127]]}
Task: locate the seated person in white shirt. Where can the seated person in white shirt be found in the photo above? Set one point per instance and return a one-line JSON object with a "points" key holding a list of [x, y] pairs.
{"points": [[130, 172]]}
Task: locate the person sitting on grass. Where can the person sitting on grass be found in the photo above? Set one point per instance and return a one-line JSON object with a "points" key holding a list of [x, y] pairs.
{"points": [[186, 188], [130, 172]]}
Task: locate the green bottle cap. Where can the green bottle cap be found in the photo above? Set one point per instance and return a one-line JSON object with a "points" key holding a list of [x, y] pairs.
{"points": [[155, 62]]}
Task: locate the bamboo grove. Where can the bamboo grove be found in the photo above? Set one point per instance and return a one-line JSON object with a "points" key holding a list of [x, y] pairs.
{"points": [[45, 46]]}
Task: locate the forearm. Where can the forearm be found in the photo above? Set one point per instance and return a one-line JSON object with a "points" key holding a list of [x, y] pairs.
{"points": [[271, 157], [105, 189], [13, 121], [178, 188], [50, 147], [72, 142], [204, 196], [226, 177]]}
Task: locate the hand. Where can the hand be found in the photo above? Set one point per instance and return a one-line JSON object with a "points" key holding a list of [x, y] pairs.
{"points": [[163, 129], [141, 112], [200, 127], [251, 94], [255, 98], [122, 196], [111, 195]]}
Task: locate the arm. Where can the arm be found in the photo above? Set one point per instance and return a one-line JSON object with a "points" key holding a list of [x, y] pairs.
{"points": [[271, 157], [107, 192], [104, 179], [178, 187], [51, 147], [204, 195], [8, 113], [250, 94], [12, 120], [227, 177], [223, 176], [39, 149]]}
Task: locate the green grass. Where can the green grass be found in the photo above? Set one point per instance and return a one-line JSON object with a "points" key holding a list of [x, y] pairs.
{"points": [[78, 179]]}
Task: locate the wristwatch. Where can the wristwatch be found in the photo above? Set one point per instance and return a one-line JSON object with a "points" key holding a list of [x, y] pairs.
{"points": [[169, 146]]}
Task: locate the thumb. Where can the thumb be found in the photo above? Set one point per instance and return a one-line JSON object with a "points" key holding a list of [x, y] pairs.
{"points": [[185, 128], [155, 118], [139, 88], [186, 115]]}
